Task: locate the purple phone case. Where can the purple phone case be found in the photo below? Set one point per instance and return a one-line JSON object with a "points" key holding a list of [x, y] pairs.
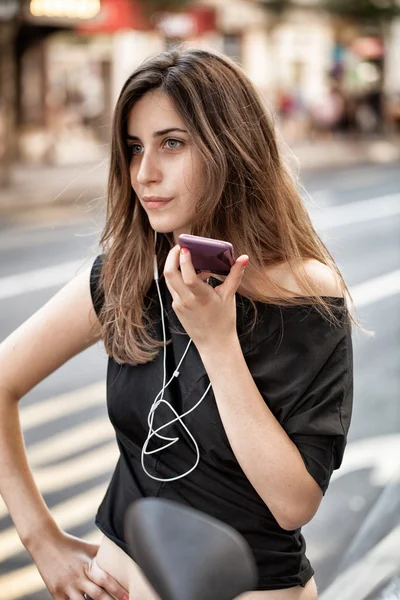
{"points": [[207, 254]]}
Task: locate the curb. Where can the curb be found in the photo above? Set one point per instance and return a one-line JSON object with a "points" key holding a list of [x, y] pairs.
{"points": [[336, 154]]}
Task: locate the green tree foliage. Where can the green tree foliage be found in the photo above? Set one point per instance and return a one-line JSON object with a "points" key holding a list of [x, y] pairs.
{"points": [[364, 10], [277, 7], [358, 10]]}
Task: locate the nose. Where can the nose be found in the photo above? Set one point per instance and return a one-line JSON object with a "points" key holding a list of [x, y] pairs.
{"points": [[149, 170]]}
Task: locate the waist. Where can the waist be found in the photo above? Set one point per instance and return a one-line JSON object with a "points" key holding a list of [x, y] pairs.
{"points": [[121, 567]]}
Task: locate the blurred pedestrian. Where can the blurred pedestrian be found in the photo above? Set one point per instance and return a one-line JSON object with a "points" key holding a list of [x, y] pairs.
{"points": [[285, 103], [244, 413], [328, 113]]}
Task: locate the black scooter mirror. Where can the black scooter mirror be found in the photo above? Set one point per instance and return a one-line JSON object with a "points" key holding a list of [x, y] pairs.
{"points": [[187, 555]]}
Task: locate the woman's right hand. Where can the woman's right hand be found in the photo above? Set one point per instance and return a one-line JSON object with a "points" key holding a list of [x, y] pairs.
{"points": [[68, 567]]}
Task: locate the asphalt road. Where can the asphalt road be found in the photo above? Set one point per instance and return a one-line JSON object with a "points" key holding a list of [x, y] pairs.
{"points": [[69, 440]]}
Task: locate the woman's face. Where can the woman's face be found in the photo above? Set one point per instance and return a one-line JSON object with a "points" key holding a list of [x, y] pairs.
{"points": [[166, 168]]}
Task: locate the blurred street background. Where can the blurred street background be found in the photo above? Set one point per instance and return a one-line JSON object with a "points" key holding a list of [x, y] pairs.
{"points": [[329, 70]]}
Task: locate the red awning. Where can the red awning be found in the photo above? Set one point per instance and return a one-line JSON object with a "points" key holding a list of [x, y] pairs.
{"points": [[117, 15]]}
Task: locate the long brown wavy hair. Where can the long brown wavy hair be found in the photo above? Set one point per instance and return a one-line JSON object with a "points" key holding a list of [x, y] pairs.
{"points": [[250, 198]]}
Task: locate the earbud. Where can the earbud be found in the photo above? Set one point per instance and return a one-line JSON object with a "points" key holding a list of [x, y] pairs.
{"points": [[155, 265], [155, 268]]}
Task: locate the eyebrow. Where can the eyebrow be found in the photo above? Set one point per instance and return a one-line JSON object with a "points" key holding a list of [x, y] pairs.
{"points": [[158, 133]]}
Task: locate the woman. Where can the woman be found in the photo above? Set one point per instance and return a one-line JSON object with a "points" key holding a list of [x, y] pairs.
{"points": [[194, 151]]}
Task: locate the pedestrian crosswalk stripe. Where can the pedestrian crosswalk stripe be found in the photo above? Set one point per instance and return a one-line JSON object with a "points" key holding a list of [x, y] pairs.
{"points": [[72, 472], [59, 406], [39, 279], [376, 289], [28, 237], [77, 470], [77, 439], [356, 212]]}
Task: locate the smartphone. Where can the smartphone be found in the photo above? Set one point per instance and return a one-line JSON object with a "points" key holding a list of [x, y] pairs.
{"points": [[207, 254]]}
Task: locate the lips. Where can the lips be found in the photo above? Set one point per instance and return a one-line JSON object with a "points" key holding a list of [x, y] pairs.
{"points": [[155, 201]]}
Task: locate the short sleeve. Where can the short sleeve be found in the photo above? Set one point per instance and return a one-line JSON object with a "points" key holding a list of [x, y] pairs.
{"points": [[96, 288], [304, 371]]}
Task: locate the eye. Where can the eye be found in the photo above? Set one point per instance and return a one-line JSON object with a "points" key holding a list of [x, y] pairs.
{"points": [[135, 148], [173, 144]]}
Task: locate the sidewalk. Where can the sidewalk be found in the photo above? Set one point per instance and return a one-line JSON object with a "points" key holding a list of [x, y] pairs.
{"points": [[83, 186], [36, 186]]}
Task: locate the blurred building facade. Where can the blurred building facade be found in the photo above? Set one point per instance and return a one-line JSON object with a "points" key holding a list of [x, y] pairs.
{"points": [[71, 66]]}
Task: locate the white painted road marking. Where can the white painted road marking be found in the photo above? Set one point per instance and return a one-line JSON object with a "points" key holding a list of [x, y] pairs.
{"points": [[39, 237], [50, 409], [68, 473], [376, 289], [78, 439], [380, 455], [39, 279], [58, 407], [355, 212]]}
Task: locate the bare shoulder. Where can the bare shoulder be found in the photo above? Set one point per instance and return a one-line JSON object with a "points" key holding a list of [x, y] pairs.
{"points": [[325, 279]]}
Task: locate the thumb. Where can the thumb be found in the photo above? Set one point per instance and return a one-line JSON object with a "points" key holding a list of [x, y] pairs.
{"points": [[91, 549]]}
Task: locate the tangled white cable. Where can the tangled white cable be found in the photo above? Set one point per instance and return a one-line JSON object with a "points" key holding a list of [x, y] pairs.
{"points": [[159, 399]]}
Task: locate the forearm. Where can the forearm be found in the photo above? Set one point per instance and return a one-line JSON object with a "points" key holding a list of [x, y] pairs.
{"points": [[26, 506], [268, 457]]}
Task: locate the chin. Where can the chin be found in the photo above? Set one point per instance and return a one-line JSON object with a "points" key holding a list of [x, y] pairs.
{"points": [[162, 229], [169, 227]]}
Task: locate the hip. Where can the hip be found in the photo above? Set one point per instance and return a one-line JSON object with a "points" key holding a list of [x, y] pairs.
{"points": [[112, 559]]}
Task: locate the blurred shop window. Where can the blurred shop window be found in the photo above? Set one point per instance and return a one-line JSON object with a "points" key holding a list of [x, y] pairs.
{"points": [[3, 129], [232, 46], [76, 87], [32, 97]]}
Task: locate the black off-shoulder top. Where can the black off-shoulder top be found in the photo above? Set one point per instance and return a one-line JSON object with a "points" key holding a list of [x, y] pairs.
{"points": [[303, 367]]}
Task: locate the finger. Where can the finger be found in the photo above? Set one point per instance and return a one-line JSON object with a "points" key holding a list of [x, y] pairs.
{"points": [[189, 275], [96, 593], [103, 580], [232, 281], [72, 596], [173, 277]]}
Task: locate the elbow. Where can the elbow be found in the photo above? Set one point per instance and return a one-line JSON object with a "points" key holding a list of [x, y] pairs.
{"points": [[292, 522], [295, 517]]}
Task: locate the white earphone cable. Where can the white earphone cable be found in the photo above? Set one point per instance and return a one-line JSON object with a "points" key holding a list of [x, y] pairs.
{"points": [[159, 399]]}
